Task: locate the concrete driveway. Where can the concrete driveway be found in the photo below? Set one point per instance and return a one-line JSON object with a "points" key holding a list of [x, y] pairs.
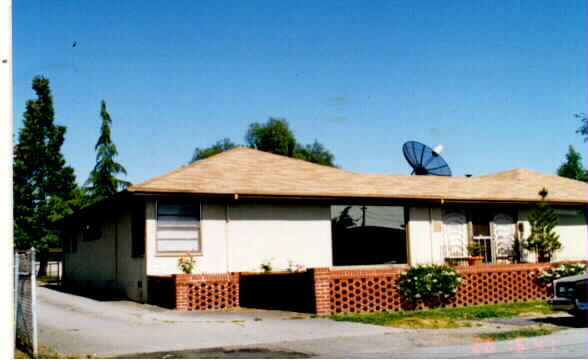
{"points": [[74, 325], [78, 326]]}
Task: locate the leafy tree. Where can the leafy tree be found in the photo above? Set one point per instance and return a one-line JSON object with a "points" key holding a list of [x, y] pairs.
{"points": [[315, 153], [582, 129], [543, 241], [274, 136], [220, 146], [102, 182], [44, 186], [572, 168]]}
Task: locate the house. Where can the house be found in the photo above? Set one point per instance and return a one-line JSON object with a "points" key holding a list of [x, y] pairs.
{"points": [[243, 207]]}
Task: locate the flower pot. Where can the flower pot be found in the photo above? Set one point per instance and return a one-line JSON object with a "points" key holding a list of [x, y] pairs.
{"points": [[475, 260]]}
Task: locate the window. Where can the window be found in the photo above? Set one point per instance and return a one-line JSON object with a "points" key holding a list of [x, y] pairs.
{"points": [[92, 231], [178, 227], [368, 235], [138, 229]]}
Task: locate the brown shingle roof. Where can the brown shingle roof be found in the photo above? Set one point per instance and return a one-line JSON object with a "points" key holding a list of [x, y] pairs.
{"points": [[249, 172]]}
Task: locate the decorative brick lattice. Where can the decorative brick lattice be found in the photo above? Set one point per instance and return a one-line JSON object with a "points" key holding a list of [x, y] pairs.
{"points": [[213, 295], [364, 294], [207, 291], [498, 287], [350, 291]]}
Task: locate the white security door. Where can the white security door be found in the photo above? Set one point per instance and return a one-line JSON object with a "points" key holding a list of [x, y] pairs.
{"points": [[455, 235], [503, 236]]}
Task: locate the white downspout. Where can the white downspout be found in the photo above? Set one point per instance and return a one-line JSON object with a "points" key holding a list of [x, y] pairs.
{"points": [[227, 223]]}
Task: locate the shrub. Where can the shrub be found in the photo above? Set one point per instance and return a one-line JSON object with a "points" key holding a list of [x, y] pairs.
{"points": [[546, 277], [430, 284]]}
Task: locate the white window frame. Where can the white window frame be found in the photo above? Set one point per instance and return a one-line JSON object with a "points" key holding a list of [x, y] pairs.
{"points": [[197, 249]]}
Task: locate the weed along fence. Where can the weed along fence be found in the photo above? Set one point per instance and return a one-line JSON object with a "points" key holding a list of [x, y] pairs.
{"points": [[329, 291], [25, 302]]}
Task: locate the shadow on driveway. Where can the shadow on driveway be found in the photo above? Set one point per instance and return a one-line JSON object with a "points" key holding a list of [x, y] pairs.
{"points": [[564, 321], [220, 353]]}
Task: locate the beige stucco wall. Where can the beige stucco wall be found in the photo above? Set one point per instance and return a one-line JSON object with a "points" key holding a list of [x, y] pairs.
{"points": [[239, 236], [279, 233], [106, 263], [131, 278], [93, 262]]}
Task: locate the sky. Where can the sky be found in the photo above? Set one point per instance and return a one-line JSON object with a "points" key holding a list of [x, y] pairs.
{"points": [[496, 82]]}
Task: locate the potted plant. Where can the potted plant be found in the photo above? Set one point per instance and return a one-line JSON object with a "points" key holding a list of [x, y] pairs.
{"points": [[475, 251]]}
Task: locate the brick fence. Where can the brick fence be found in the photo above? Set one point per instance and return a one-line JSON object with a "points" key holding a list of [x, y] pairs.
{"points": [[195, 292], [329, 291], [345, 291]]}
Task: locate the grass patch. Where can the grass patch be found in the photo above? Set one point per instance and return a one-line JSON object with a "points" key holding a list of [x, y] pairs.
{"points": [[509, 335], [446, 317], [48, 279]]}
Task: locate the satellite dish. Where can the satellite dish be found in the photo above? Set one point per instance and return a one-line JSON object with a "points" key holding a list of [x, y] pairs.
{"points": [[424, 160]]}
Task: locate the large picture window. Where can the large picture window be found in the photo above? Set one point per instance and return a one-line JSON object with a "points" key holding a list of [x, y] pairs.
{"points": [[368, 235], [178, 227]]}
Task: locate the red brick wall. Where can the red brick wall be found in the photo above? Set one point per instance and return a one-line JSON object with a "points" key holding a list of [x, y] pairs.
{"points": [[344, 291], [206, 291]]}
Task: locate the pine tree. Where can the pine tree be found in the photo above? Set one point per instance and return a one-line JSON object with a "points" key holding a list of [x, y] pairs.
{"points": [[102, 181], [572, 168], [543, 241], [43, 184]]}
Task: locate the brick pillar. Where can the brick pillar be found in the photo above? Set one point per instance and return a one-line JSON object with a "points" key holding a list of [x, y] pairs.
{"points": [[321, 277], [236, 279], [181, 291]]}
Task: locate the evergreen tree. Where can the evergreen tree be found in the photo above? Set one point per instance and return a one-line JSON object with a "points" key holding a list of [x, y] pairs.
{"points": [[44, 185], [573, 167], [543, 241], [102, 182]]}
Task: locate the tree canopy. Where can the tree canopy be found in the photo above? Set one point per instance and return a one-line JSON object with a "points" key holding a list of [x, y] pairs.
{"points": [[274, 136], [220, 146], [582, 129], [44, 186], [572, 168], [102, 182]]}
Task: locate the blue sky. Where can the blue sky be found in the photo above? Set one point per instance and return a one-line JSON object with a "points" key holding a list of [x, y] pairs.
{"points": [[496, 82]]}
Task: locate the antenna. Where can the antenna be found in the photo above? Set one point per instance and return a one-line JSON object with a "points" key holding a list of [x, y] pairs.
{"points": [[424, 160]]}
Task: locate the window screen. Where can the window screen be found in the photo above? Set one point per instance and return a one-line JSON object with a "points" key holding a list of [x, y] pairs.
{"points": [[178, 226]]}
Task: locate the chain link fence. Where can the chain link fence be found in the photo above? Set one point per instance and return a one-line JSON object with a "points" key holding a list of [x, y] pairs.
{"points": [[25, 301]]}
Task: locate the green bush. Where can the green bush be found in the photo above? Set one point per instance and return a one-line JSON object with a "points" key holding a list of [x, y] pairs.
{"points": [[546, 277], [430, 284]]}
